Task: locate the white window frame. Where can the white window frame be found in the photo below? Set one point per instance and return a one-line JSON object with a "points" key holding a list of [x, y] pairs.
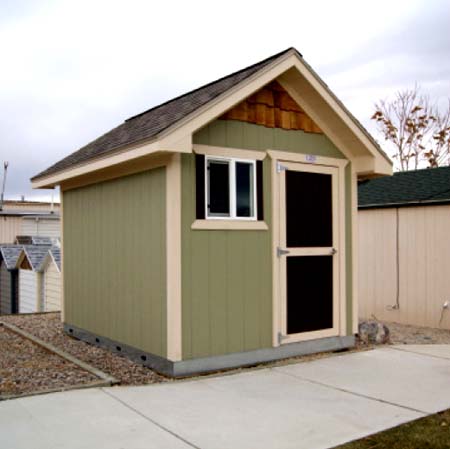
{"points": [[232, 186]]}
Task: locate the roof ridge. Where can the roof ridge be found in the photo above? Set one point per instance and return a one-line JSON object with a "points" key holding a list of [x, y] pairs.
{"points": [[276, 56]]}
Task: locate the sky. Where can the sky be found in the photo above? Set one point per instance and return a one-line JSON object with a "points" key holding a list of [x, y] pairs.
{"points": [[72, 70]]}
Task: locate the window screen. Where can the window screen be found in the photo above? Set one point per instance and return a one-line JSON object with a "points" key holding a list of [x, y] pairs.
{"points": [[309, 220]]}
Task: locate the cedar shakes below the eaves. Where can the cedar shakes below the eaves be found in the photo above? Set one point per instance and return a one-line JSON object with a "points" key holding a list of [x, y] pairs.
{"points": [[150, 123]]}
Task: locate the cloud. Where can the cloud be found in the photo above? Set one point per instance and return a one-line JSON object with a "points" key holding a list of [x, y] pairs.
{"points": [[72, 70]]}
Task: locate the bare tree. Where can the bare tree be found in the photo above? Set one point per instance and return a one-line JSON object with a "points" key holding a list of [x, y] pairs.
{"points": [[415, 128]]}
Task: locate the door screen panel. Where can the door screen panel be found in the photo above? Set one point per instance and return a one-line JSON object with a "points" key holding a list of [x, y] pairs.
{"points": [[309, 293], [308, 209]]}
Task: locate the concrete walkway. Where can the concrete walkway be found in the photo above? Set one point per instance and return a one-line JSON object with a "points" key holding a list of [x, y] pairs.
{"points": [[309, 405]]}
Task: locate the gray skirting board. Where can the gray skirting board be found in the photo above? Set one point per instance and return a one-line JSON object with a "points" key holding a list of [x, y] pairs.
{"points": [[207, 364]]}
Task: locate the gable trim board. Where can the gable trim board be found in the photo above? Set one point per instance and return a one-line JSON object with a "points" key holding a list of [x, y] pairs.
{"points": [[220, 279]]}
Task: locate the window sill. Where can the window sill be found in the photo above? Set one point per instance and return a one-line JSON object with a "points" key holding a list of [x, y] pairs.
{"points": [[243, 225]]}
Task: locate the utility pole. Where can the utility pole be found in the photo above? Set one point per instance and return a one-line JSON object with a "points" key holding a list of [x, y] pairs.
{"points": [[5, 170]]}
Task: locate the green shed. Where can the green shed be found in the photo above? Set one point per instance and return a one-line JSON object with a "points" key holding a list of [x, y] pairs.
{"points": [[218, 229]]}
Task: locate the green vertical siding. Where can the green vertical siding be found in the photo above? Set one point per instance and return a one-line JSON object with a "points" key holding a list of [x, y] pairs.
{"points": [[226, 282], [115, 259], [227, 275]]}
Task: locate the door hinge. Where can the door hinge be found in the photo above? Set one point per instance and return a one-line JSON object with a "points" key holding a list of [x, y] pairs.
{"points": [[281, 167], [281, 252], [281, 337]]}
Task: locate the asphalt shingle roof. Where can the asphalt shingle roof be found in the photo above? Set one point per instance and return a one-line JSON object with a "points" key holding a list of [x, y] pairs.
{"points": [[38, 240], [429, 185], [56, 253], [150, 123], [10, 254]]}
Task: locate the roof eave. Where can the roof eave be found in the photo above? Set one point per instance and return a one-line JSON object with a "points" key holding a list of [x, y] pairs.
{"points": [[405, 204]]}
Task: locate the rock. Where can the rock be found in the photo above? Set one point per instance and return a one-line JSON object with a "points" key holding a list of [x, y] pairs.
{"points": [[373, 332]]}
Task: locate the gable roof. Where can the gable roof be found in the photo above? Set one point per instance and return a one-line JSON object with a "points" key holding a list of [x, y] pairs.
{"points": [[150, 123], [10, 254], [169, 126], [36, 255], [418, 187]]}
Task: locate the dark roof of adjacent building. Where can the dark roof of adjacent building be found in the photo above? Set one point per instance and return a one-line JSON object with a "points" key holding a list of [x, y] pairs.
{"points": [[152, 122], [36, 255], [418, 187], [10, 254], [24, 239]]}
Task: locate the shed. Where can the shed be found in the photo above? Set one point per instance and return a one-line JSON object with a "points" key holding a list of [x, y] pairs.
{"points": [[31, 285], [233, 209], [14, 222], [51, 269], [43, 225], [9, 279], [404, 248]]}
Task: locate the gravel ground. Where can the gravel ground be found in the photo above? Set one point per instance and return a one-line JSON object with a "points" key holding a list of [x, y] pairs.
{"points": [[48, 327], [414, 335], [27, 368]]}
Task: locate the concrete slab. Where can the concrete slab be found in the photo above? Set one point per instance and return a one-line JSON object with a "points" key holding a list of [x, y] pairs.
{"points": [[441, 351], [261, 409], [399, 377], [83, 419], [311, 405]]}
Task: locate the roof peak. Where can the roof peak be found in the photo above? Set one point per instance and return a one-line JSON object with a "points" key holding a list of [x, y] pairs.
{"points": [[237, 72]]}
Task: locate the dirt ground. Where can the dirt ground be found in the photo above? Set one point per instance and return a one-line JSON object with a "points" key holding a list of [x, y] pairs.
{"points": [[27, 368]]}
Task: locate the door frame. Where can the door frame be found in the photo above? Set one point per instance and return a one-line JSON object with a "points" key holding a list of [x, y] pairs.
{"points": [[278, 265]]}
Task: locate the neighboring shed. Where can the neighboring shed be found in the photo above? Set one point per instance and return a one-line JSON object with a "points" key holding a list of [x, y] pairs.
{"points": [[217, 229], [9, 279], [404, 247], [9, 226], [24, 217], [30, 206], [51, 268], [48, 225], [31, 282]]}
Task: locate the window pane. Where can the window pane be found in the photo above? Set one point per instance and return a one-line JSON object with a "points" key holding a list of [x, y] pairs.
{"points": [[219, 188], [244, 189]]}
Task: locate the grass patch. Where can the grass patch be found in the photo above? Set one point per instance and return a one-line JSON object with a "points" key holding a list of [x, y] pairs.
{"points": [[432, 432]]}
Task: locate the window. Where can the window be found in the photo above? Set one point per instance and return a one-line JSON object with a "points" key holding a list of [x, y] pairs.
{"points": [[230, 187]]}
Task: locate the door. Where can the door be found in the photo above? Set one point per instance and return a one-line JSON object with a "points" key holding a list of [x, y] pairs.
{"points": [[307, 252]]}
